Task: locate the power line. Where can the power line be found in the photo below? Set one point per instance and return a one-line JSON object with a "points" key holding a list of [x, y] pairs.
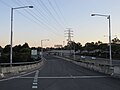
{"points": [[43, 17], [40, 1], [60, 12], [5, 3], [34, 16], [46, 21], [25, 15], [20, 12], [56, 12]]}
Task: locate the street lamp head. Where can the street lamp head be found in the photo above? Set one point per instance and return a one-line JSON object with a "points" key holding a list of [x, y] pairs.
{"points": [[108, 17], [92, 14], [30, 6], [22, 7]]}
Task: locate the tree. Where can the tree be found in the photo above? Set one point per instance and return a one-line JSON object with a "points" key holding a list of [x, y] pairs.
{"points": [[25, 45], [78, 46], [6, 49], [90, 46], [1, 48], [98, 43], [17, 48], [116, 40], [103, 47], [73, 46]]}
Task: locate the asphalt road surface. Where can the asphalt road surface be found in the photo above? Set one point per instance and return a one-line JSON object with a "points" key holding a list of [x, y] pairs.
{"points": [[58, 74]]}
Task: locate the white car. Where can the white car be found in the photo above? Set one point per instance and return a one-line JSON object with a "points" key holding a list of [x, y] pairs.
{"points": [[83, 57], [93, 58]]}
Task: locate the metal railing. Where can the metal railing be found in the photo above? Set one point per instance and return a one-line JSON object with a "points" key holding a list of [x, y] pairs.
{"points": [[18, 63]]}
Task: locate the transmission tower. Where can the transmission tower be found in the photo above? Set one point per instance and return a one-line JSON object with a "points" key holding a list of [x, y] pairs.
{"points": [[69, 34]]}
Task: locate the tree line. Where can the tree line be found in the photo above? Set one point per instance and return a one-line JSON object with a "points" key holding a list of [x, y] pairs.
{"points": [[96, 49], [22, 53]]}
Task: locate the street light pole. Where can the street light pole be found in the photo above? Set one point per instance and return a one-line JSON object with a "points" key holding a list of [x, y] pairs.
{"points": [[42, 46], [11, 38], [108, 17], [74, 50], [110, 40], [41, 49]]}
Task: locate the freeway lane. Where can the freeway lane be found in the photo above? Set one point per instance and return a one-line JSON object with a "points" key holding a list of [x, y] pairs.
{"points": [[58, 74]]}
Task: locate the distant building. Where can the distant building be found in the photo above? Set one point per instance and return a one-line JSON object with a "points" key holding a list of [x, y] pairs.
{"points": [[61, 52], [58, 46]]}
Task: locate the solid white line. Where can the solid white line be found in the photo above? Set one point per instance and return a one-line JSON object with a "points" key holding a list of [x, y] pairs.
{"points": [[17, 76], [78, 77], [66, 77]]}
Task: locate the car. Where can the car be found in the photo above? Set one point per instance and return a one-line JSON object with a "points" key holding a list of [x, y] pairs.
{"points": [[93, 58], [83, 57]]}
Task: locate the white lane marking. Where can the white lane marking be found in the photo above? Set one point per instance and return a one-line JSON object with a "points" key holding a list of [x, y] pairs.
{"points": [[45, 59], [36, 75], [34, 87], [17, 76], [34, 83], [35, 80], [65, 77]]}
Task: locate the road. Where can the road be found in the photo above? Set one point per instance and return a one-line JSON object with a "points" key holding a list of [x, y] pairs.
{"points": [[58, 74]]}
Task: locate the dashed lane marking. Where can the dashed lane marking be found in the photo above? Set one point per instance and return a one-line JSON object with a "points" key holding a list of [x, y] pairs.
{"points": [[34, 86], [34, 83], [35, 80]]}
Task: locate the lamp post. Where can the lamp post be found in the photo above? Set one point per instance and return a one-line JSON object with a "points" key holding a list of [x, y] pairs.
{"points": [[11, 40], [74, 50], [42, 46], [108, 17]]}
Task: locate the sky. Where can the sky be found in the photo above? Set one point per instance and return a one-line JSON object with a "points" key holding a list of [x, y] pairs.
{"points": [[49, 19]]}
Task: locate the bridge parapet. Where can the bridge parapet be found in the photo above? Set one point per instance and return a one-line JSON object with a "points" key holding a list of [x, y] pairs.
{"points": [[105, 68], [17, 68]]}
